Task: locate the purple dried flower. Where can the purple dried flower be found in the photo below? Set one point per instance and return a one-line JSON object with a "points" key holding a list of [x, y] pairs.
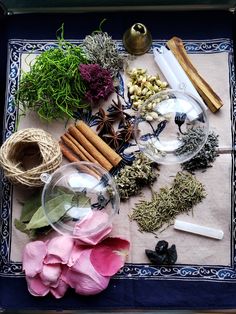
{"points": [[98, 80]]}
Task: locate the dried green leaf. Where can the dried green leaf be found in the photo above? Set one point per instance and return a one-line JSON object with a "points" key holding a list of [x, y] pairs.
{"points": [[21, 226], [56, 209], [32, 233], [81, 200], [30, 207], [36, 233]]}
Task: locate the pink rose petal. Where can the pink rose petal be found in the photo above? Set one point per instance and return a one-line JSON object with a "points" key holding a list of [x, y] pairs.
{"points": [[59, 250], [50, 274], [75, 253], [93, 228], [36, 287], [109, 256], [60, 290], [33, 256], [83, 277], [85, 285], [95, 238]]}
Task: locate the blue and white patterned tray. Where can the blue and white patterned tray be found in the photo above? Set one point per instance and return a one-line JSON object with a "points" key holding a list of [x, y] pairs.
{"points": [[9, 268]]}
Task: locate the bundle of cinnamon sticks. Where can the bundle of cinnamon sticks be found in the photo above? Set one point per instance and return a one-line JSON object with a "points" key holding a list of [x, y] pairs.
{"points": [[80, 142]]}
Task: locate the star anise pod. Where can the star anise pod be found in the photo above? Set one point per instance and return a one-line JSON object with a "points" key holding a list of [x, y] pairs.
{"points": [[104, 121], [114, 138], [128, 131], [116, 109]]}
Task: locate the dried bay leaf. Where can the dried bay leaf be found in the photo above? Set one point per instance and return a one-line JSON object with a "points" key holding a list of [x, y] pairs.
{"points": [[56, 208], [32, 233], [30, 207], [81, 200], [21, 226]]}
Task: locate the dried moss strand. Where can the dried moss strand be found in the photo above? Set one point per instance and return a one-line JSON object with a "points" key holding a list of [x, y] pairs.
{"points": [[53, 86]]}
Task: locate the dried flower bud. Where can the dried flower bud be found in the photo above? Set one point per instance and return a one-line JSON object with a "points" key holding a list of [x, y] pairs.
{"points": [[143, 86]]}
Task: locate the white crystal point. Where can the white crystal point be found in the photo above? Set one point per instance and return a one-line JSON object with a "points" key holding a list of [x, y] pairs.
{"points": [[200, 230]]}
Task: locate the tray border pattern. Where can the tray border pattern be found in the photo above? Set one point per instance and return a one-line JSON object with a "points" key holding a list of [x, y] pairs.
{"points": [[8, 268]]}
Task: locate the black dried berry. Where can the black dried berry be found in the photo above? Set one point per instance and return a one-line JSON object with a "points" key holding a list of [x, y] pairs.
{"points": [[172, 255], [162, 255], [161, 247], [156, 258]]}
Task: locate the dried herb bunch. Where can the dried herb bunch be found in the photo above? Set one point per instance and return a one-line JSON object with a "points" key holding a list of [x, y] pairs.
{"points": [[191, 140], [206, 156], [100, 48], [132, 178], [185, 192]]}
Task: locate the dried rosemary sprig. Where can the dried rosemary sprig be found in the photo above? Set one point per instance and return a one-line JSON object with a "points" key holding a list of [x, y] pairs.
{"points": [[205, 157], [132, 178], [185, 192], [100, 48]]}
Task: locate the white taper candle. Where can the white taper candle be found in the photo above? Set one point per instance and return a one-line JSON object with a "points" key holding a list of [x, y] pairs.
{"points": [[171, 64]]}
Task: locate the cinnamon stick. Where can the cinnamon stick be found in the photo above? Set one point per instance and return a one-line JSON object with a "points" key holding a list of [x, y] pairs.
{"points": [[212, 100], [79, 136], [81, 148], [71, 157], [74, 148], [67, 153], [93, 138]]}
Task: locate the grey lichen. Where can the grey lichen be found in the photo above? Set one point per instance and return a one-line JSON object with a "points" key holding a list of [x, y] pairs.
{"points": [[101, 49]]}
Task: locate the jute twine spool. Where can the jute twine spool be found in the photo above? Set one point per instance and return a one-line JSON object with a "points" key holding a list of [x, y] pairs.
{"points": [[28, 153]]}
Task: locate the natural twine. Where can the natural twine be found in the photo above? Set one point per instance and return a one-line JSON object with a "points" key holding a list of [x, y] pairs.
{"points": [[48, 158]]}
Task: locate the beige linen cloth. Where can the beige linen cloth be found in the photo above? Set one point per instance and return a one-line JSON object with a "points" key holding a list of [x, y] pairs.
{"points": [[214, 211]]}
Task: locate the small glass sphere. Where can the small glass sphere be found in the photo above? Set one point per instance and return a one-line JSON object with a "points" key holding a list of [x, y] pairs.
{"points": [[171, 127], [80, 199]]}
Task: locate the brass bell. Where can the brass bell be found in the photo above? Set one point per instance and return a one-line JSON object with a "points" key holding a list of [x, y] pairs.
{"points": [[137, 40]]}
